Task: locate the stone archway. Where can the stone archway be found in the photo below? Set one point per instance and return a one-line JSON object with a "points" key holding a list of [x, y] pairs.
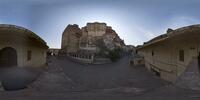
{"points": [[8, 57]]}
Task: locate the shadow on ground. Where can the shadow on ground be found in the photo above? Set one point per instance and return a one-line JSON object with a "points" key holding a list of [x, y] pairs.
{"points": [[16, 78]]}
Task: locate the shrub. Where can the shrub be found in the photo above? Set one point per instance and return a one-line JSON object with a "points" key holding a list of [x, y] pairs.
{"points": [[115, 55]]}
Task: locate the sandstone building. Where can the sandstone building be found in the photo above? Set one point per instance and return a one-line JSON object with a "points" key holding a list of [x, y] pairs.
{"points": [[21, 47], [91, 38], [70, 39], [111, 40], [53, 51], [90, 44], [170, 54], [96, 29]]}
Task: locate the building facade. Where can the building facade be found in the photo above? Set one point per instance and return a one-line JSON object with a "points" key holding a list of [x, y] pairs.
{"points": [[21, 47], [90, 38], [70, 39], [92, 32], [89, 41], [170, 54], [96, 29]]}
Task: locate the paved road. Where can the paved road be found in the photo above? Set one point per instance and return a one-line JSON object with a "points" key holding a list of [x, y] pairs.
{"points": [[66, 80], [112, 75]]}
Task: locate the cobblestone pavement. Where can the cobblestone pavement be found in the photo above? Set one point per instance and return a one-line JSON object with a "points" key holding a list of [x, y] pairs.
{"points": [[66, 80]]}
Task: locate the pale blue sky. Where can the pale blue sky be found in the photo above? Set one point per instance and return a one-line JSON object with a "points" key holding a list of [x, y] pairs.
{"points": [[136, 21]]}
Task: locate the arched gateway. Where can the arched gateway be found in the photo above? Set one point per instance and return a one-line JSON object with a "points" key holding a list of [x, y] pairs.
{"points": [[8, 57]]}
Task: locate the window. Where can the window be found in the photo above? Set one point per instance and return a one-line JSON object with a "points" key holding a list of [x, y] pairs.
{"points": [[181, 55], [152, 53], [29, 54]]}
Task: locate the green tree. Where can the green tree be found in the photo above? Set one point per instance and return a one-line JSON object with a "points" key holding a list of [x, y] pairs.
{"points": [[115, 55]]}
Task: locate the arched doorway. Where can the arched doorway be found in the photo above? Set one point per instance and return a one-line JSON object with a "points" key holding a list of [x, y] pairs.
{"points": [[199, 61], [8, 57]]}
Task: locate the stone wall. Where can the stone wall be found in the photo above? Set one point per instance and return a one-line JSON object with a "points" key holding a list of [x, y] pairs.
{"points": [[96, 29], [111, 40], [91, 38], [70, 39]]}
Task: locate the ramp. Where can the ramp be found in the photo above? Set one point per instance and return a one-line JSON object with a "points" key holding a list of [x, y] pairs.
{"points": [[190, 78]]}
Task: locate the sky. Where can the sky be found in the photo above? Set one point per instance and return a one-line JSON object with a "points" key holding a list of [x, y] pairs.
{"points": [[135, 21]]}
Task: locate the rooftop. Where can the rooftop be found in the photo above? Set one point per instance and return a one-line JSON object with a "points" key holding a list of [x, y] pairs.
{"points": [[26, 31], [169, 35]]}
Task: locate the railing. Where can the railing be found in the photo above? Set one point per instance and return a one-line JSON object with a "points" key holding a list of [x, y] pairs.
{"points": [[82, 57]]}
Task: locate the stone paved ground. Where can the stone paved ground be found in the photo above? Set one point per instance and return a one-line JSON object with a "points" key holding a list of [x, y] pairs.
{"points": [[66, 80], [112, 75]]}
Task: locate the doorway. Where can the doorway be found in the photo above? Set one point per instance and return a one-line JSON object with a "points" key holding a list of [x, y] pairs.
{"points": [[199, 61], [8, 57]]}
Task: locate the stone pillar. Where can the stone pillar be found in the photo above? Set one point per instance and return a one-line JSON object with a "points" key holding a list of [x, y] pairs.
{"points": [[92, 57]]}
